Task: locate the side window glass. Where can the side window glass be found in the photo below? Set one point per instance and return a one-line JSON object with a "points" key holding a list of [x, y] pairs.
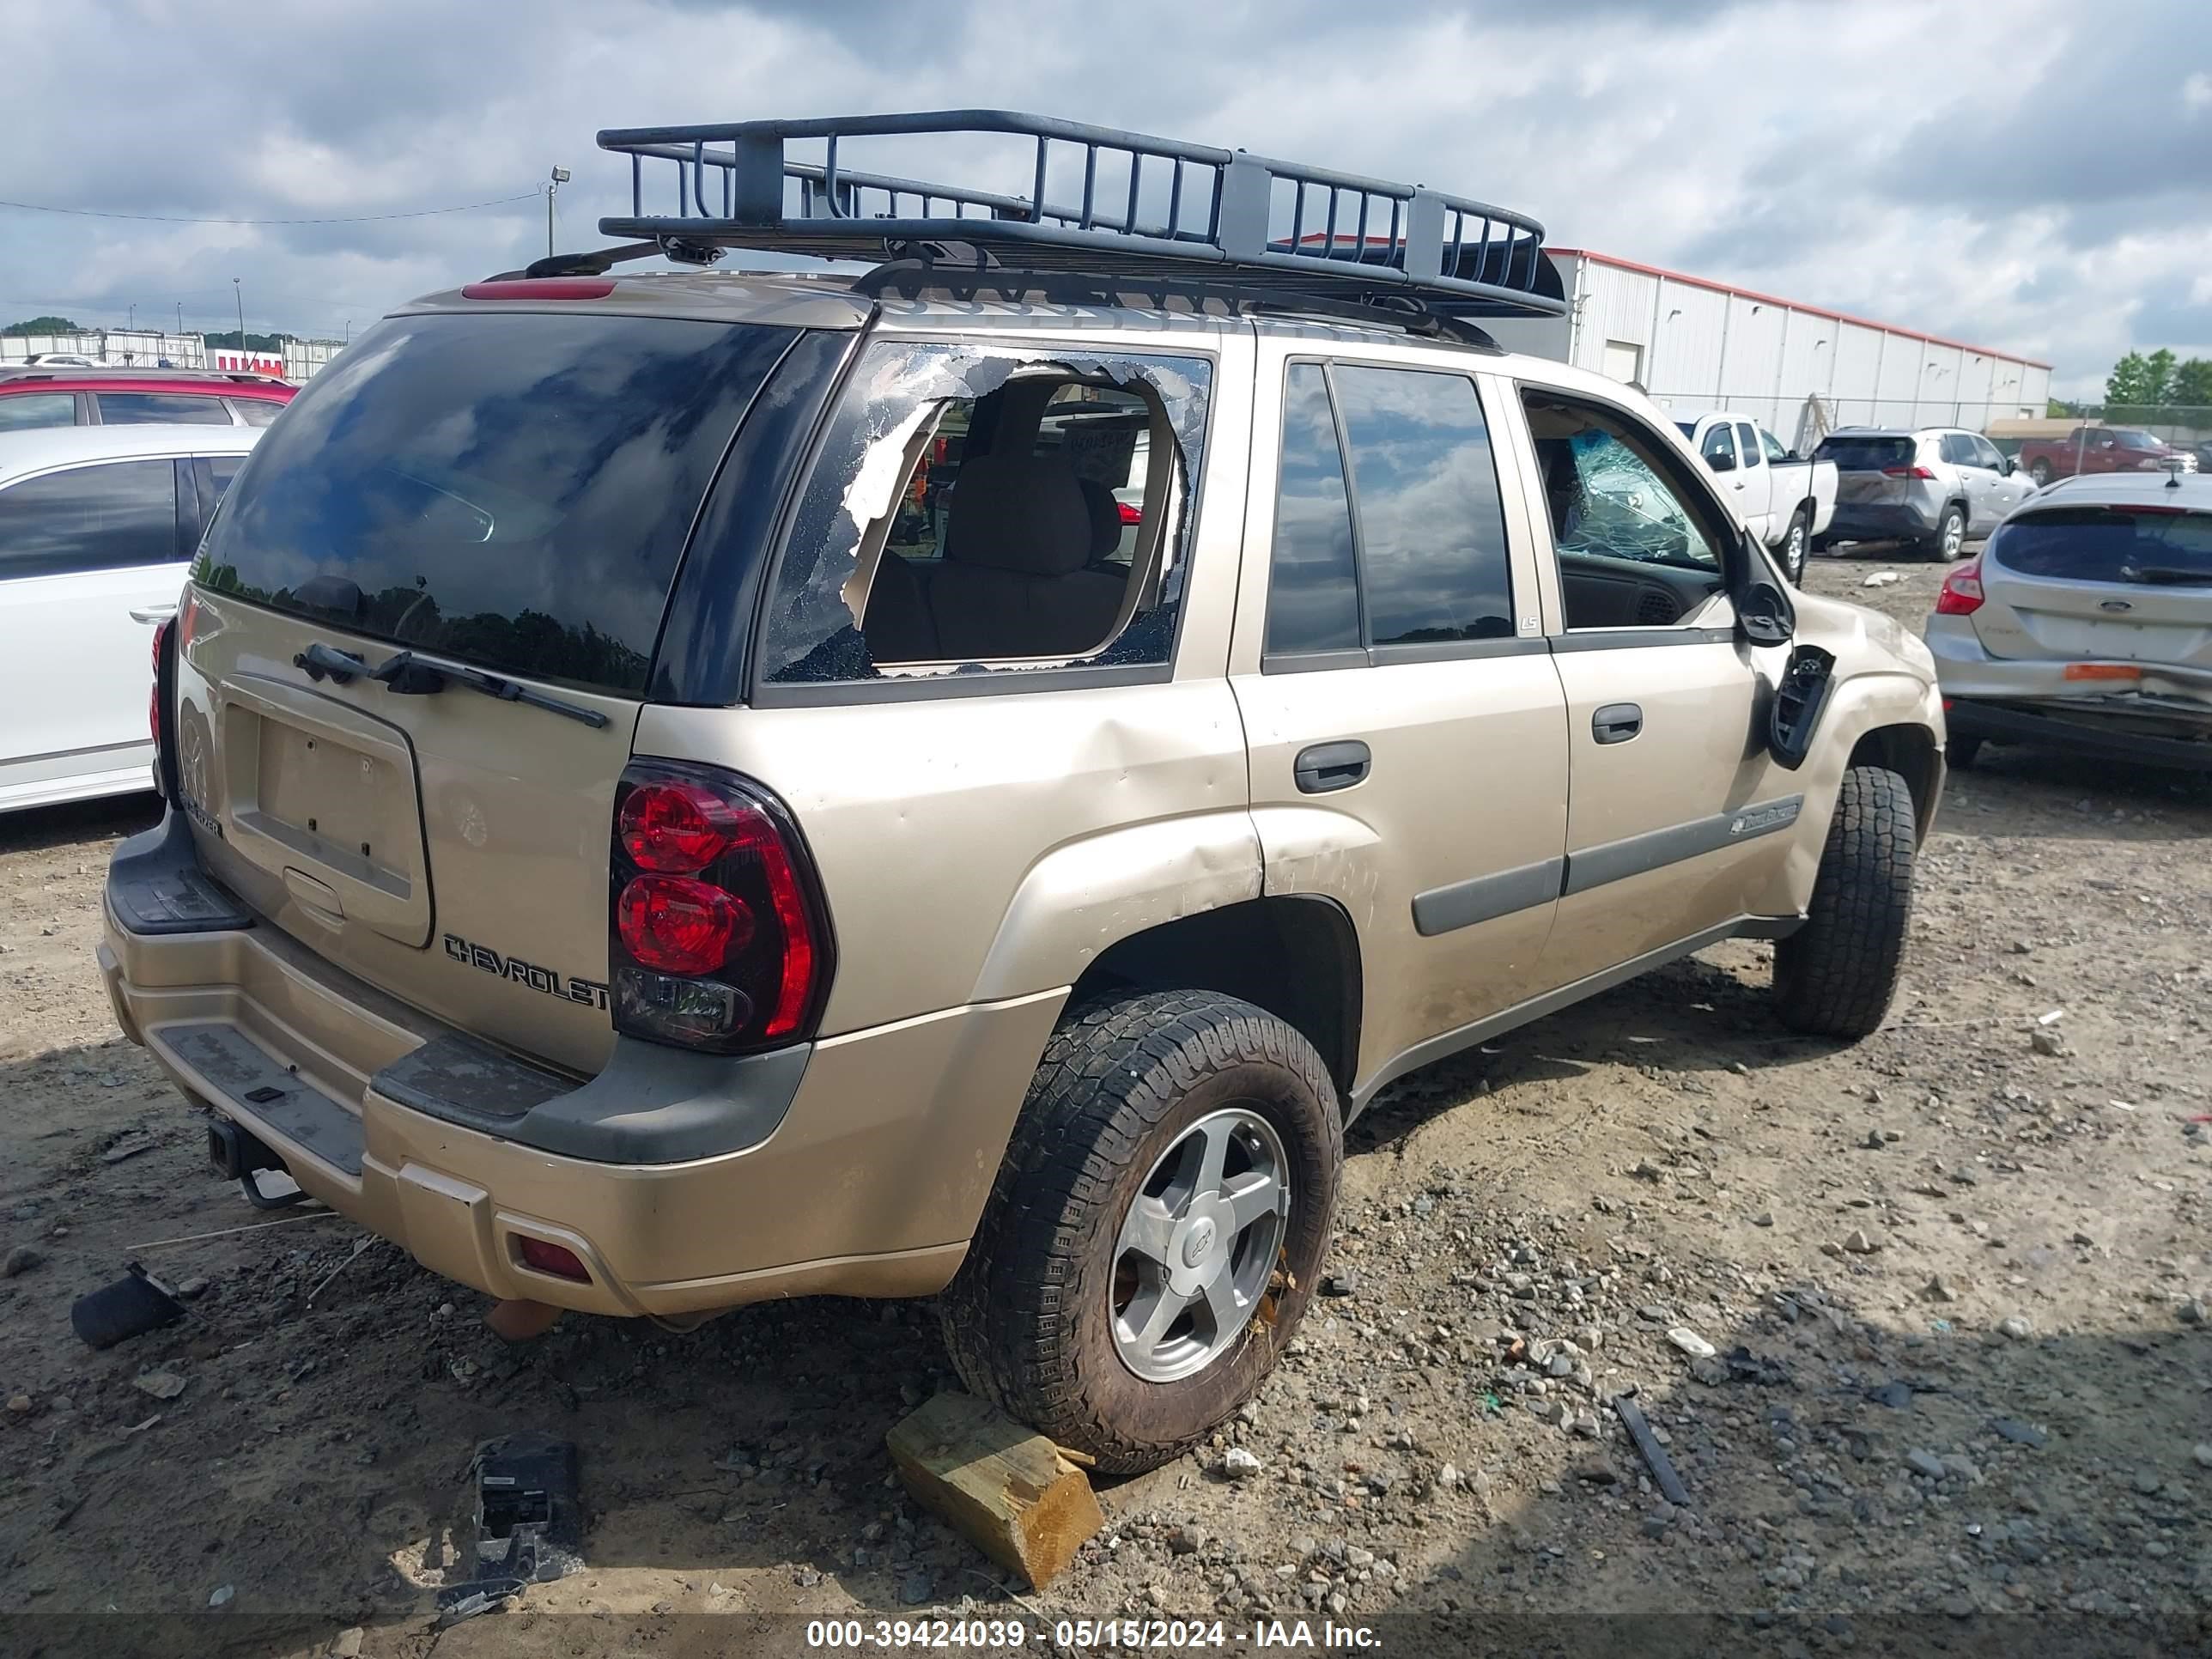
{"points": [[973, 508], [1635, 548], [160, 408], [1431, 528], [1958, 450], [36, 409], [90, 518], [1747, 444], [1313, 597], [1772, 445], [1719, 445], [256, 411], [1985, 454], [213, 474]]}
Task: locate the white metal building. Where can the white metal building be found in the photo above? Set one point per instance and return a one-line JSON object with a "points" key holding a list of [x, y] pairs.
{"points": [[1692, 343], [147, 347]]}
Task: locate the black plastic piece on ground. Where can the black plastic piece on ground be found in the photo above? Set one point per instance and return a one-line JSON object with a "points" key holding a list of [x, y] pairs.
{"points": [[529, 1522], [1654, 1456], [131, 1306]]}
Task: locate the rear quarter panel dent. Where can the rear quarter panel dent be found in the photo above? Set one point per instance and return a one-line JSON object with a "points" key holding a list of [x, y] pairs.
{"points": [[1082, 898]]}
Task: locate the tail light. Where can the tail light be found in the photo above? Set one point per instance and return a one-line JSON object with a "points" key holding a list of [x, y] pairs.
{"points": [[1906, 472], [1962, 594], [1130, 514], [718, 936]]}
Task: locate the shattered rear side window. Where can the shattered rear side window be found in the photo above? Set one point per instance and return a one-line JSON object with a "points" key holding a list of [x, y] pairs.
{"points": [[976, 511]]}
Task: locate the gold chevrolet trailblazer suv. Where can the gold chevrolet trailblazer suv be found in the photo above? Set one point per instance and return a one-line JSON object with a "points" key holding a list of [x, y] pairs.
{"points": [[960, 777]]}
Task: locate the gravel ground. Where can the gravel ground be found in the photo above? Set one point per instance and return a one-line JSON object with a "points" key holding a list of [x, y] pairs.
{"points": [[1921, 1324]]}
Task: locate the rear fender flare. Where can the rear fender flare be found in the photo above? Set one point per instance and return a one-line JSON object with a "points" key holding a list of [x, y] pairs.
{"points": [[1089, 893]]}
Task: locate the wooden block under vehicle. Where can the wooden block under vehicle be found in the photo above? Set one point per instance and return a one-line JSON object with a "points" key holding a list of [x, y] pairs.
{"points": [[1005, 1487]]}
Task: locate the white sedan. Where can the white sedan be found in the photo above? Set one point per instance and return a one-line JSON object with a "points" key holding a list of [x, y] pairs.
{"points": [[97, 526]]}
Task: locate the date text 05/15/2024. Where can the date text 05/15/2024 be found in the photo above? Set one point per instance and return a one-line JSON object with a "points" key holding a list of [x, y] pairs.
{"points": [[1133, 1635]]}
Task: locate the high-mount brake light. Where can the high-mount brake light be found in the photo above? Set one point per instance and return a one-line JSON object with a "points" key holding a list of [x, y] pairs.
{"points": [[539, 287], [1962, 593], [719, 938]]}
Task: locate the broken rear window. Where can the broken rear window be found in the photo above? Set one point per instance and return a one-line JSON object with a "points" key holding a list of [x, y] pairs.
{"points": [[975, 510]]}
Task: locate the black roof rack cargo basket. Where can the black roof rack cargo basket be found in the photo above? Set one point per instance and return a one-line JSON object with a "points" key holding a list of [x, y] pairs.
{"points": [[1150, 211]]}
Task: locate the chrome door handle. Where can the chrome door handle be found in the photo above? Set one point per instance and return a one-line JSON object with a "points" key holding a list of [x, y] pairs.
{"points": [[152, 613]]}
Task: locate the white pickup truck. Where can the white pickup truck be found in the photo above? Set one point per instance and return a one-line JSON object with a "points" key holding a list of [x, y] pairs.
{"points": [[1784, 501]]}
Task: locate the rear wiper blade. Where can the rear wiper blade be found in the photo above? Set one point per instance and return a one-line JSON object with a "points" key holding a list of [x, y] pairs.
{"points": [[407, 677], [2170, 575], [319, 660]]}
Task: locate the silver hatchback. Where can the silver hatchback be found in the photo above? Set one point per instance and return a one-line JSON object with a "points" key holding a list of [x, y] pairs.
{"points": [[2085, 623]]}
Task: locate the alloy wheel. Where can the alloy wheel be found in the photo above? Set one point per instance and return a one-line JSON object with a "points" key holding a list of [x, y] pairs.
{"points": [[1198, 1246]]}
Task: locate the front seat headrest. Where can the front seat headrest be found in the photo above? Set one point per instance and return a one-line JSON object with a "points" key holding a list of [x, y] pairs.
{"points": [[1023, 513]]}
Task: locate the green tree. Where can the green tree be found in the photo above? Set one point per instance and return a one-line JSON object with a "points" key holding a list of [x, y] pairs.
{"points": [[2140, 381], [231, 339], [44, 326], [2192, 385]]}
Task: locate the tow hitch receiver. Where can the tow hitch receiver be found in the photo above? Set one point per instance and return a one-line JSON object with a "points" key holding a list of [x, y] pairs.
{"points": [[238, 1156]]}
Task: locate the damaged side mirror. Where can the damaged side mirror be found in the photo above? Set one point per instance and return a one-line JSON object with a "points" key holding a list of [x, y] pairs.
{"points": [[1764, 616]]}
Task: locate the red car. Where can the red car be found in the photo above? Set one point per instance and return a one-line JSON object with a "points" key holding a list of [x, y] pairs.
{"points": [[2098, 449], [52, 394]]}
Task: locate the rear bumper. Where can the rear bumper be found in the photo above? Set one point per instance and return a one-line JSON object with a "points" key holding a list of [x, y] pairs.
{"points": [[1868, 521], [2169, 723], [870, 1156], [2113, 738]]}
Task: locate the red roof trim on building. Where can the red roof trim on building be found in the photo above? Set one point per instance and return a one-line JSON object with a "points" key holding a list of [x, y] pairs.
{"points": [[1794, 305]]}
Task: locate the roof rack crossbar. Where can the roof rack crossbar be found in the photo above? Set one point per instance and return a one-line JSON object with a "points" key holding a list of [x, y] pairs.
{"points": [[732, 181]]}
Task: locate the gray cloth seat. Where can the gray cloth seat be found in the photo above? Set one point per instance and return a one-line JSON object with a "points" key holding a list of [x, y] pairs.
{"points": [[898, 625], [1016, 537], [1020, 533]]}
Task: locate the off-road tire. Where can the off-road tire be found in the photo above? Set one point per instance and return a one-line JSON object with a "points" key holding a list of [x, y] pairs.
{"points": [[1835, 976], [1029, 1318]]}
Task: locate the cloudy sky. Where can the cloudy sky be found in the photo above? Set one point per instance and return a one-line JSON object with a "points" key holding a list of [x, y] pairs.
{"points": [[2034, 175]]}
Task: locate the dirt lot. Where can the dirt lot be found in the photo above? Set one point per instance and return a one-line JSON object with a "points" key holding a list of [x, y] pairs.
{"points": [[1961, 1385]]}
